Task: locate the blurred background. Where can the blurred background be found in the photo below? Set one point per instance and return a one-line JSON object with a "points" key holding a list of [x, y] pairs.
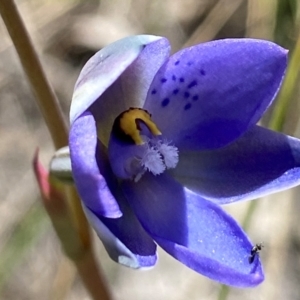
{"points": [[66, 33]]}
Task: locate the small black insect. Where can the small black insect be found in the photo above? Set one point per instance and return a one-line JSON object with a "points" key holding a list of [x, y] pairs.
{"points": [[254, 251]]}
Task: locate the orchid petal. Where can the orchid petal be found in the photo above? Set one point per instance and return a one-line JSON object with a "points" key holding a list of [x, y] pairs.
{"points": [[91, 184], [103, 69], [117, 237], [208, 95], [112, 219], [261, 162], [195, 231], [117, 78]]}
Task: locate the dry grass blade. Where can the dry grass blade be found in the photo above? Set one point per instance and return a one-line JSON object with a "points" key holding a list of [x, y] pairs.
{"points": [[213, 22], [261, 19]]}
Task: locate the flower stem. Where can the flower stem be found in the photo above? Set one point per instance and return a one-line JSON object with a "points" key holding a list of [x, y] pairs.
{"points": [[49, 106], [45, 96], [91, 277]]}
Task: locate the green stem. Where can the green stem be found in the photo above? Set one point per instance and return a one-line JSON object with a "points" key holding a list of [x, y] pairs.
{"points": [[224, 292], [287, 89], [252, 207]]}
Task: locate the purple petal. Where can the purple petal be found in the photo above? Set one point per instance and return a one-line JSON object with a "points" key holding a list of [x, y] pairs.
{"points": [[261, 162], [118, 77], [103, 69], [195, 231], [210, 94], [124, 239], [116, 225], [90, 183]]}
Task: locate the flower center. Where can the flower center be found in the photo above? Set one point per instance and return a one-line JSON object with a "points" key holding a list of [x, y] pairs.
{"points": [[137, 146]]}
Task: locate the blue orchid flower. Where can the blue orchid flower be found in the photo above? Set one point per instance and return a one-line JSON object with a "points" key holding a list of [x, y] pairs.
{"points": [[158, 142]]}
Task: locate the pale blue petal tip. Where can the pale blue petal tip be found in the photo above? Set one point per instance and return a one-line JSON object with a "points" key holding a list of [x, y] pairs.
{"points": [[103, 69]]}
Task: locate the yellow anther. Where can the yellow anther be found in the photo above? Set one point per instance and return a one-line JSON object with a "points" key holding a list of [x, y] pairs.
{"points": [[129, 124]]}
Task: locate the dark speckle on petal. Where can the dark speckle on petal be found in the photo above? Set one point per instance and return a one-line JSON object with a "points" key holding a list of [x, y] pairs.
{"points": [[202, 72], [174, 77], [153, 91], [195, 97], [163, 80], [177, 62], [165, 102], [190, 63], [181, 79], [186, 95], [175, 92], [192, 84], [187, 106]]}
